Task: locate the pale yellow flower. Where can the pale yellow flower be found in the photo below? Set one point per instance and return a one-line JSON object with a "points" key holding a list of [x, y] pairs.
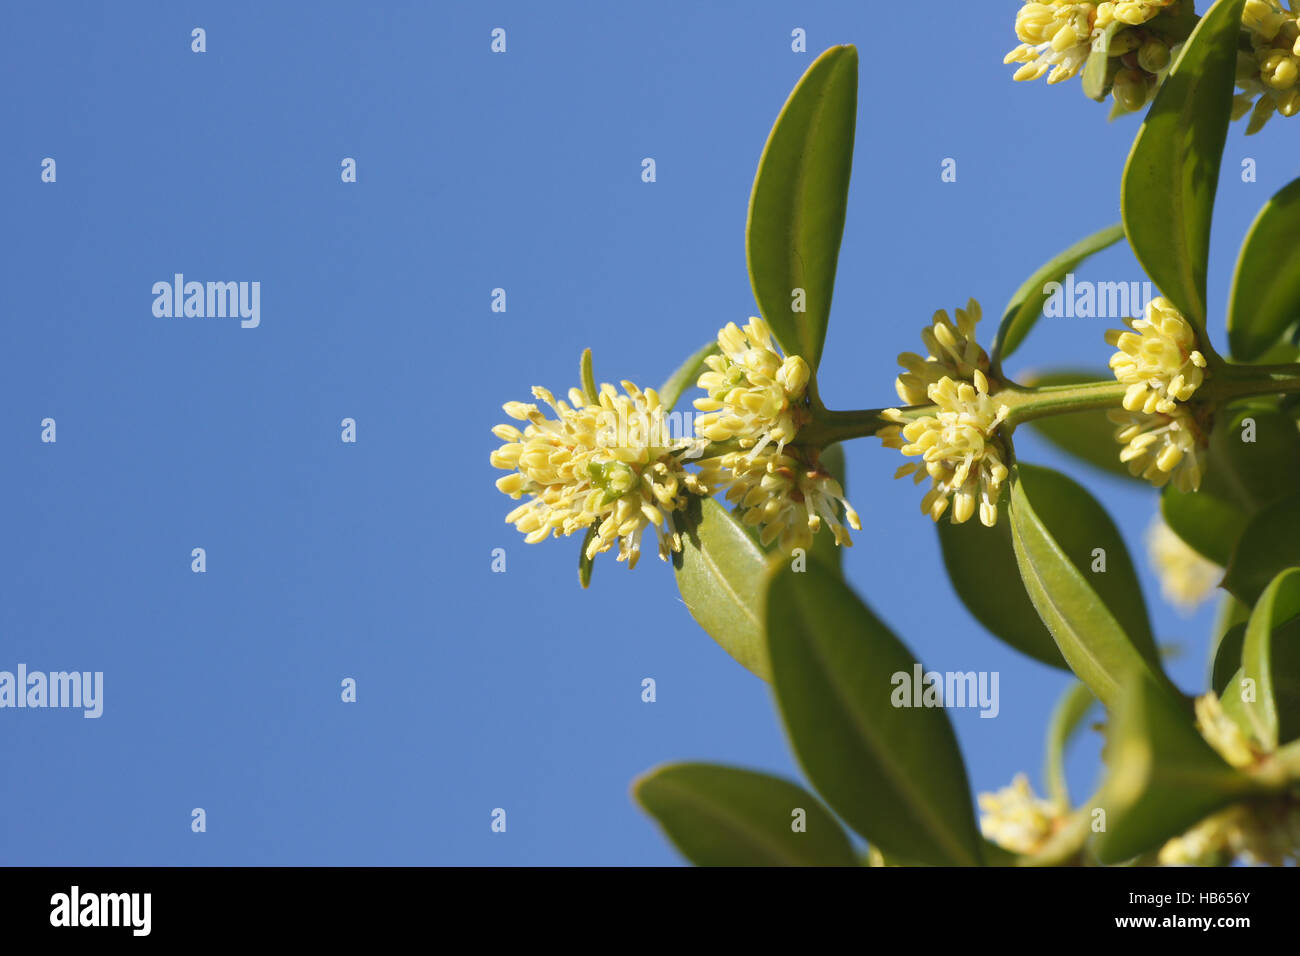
{"points": [[1222, 733], [951, 352], [1260, 831], [611, 464], [1268, 75], [960, 448], [1157, 360], [1060, 34], [1186, 578], [754, 395], [1053, 36], [1017, 820], [1160, 448], [783, 495]]}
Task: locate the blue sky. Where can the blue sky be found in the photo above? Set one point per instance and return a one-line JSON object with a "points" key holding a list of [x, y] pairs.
{"points": [[372, 560]]}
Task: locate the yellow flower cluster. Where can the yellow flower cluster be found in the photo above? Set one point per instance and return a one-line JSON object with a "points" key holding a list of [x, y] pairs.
{"points": [[1267, 76], [1053, 36], [1159, 362], [952, 352], [1058, 35], [1186, 578], [1265, 831], [1159, 448], [759, 399], [754, 395], [608, 463], [960, 449], [1017, 820], [783, 495]]}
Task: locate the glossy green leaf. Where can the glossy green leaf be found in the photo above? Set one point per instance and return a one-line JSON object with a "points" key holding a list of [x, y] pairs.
{"points": [[1068, 716], [1163, 777], [1098, 618], [1167, 197], [1227, 657], [720, 575], [1269, 544], [1088, 436], [1241, 477], [686, 376], [796, 210], [982, 567], [1026, 306], [893, 773], [725, 816], [1265, 297], [1269, 657]]}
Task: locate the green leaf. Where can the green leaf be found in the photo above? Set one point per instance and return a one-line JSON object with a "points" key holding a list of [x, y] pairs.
{"points": [[1098, 619], [1096, 72], [1270, 543], [686, 376], [1269, 657], [1241, 477], [893, 773], [796, 211], [1265, 297], [720, 574], [1167, 197], [1025, 307], [1164, 778], [981, 565], [1088, 436], [1067, 718], [725, 816], [1227, 657]]}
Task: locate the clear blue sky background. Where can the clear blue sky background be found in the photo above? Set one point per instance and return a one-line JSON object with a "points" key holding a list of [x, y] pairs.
{"points": [[325, 560]]}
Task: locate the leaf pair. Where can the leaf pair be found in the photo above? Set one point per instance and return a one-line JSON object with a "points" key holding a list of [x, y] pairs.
{"points": [[891, 770]]}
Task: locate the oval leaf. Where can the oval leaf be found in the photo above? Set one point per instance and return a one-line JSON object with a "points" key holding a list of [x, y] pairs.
{"points": [[1270, 543], [796, 211], [1163, 776], [981, 565], [893, 773], [1241, 477], [1098, 618], [720, 574], [1167, 197], [1265, 297], [725, 816], [1269, 657], [1026, 306]]}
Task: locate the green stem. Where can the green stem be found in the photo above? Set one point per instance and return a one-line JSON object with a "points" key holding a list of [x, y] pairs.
{"points": [[1026, 404], [828, 427], [1243, 381]]}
